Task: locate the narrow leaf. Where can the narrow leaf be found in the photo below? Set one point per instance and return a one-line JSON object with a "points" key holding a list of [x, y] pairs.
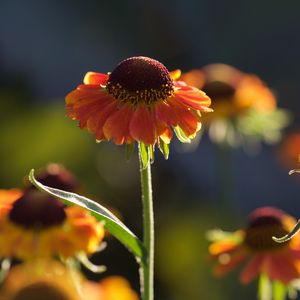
{"points": [[144, 155], [294, 171], [151, 152], [82, 257], [279, 291], [111, 223], [264, 288], [164, 148], [288, 236], [181, 135]]}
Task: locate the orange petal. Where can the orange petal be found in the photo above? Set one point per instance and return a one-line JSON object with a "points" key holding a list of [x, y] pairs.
{"points": [[166, 135], [280, 267], [165, 113], [97, 121], [85, 112], [220, 247], [84, 92], [252, 269], [117, 126], [142, 126], [95, 78], [163, 130], [175, 74], [228, 262], [185, 119], [193, 98], [295, 253], [9, 196]]}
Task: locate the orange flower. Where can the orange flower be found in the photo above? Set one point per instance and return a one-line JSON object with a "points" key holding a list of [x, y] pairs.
{"points": [[233, 92], [40, 279], [279, 262], [138, 101], [112, 288], [52, 280], [290, 149], [33, 224], [244, 107]]}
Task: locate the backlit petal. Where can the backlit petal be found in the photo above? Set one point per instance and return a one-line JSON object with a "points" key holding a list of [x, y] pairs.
{"points": [[280, 267], [228, 262], [185, 119], [97, 120], [252, 269], [117, 126], [142, 126], [193, 98], [95, 78], [175, 74]]}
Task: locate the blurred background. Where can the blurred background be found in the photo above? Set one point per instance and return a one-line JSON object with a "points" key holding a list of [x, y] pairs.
{"points": [[46, 47]]}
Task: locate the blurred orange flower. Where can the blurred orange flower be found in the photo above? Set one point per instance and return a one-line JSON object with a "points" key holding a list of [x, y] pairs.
{"points": [[232, 91], [33, 224], [290, 149], [52, 280], [278, 261], [243, 105], [56, 176], [140, 100], [114, 288]]}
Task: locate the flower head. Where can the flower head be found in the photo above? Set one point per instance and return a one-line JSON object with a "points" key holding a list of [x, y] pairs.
{"points": [[244, 107], [140, 100], [279, 261], [33, 224], [114, 288], [51, 280], [56, 176], [290, 149], [48, 280]]}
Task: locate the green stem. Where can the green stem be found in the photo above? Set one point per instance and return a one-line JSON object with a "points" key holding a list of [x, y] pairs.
{"points": [[147, 265]]}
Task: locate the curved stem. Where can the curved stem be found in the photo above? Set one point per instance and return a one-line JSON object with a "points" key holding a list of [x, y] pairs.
{"points": [[147, 265]]}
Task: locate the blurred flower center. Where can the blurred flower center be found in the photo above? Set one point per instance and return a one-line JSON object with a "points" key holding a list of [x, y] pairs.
{"points": [[260, 231], [35, 209], [140, 79], [40, 290], [218, 90], [58, 177]]}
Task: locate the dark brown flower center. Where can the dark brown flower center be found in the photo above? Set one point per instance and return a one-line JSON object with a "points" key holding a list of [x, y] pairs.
{"points": [[37, 210], [263, 225], [40, 290], [218, 90], [58, 177], [140, 79]]}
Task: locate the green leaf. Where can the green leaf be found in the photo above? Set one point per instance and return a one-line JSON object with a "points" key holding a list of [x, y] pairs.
{"points": [[111, 223], [151, 152], [164, 148], [264, 287], [144, 155], [288, 236], [279, 291], [181, 135]]}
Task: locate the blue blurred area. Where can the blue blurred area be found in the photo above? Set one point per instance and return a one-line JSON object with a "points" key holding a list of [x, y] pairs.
{"points": [[46, 47]]}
